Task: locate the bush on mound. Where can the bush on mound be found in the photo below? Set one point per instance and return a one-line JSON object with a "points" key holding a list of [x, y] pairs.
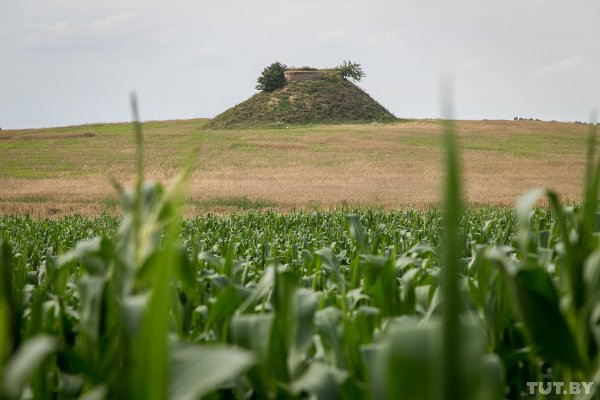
{"points": [[272, 77]]}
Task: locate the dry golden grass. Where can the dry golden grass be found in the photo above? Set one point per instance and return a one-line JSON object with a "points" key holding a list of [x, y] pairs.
{"points": [[65, 170]]}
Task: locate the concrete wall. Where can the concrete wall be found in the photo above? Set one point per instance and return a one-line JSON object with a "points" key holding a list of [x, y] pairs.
{"points": [[302, 76]]}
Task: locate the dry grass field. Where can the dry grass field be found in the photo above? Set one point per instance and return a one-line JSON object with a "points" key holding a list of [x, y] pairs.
{"points": [[61, 171]]}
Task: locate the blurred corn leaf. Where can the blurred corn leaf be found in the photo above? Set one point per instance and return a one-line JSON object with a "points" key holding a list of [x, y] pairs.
{"points": [[21, 366], [198, 370]]}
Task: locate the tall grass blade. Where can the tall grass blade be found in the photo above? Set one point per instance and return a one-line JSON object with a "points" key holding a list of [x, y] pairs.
{"points": [[8, 333], [452, 379], [139, 181], [592, 181]]}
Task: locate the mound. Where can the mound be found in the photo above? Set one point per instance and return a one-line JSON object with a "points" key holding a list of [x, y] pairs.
{"points": [[316, 101]]}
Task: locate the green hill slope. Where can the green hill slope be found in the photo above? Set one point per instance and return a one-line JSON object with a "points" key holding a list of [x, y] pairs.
{"points": [[318, 101]]}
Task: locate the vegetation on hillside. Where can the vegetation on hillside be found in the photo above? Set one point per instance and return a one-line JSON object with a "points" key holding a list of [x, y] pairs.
{"points": [[318, 101]]}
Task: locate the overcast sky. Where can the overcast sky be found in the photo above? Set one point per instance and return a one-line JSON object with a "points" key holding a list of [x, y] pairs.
{"points": [[65, 62]]}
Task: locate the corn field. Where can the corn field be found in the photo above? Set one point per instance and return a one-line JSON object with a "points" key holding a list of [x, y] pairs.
{"points": [[456, 303]]}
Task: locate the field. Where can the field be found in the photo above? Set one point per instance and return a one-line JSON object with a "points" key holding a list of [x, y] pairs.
{"points": [[448, 302], [63, 171]]}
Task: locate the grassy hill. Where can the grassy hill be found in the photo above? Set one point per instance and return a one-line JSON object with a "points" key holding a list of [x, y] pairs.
{"points": [[319, 101]]}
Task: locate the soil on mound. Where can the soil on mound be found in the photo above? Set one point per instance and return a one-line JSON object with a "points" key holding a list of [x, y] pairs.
{"points": [[318, 101]]}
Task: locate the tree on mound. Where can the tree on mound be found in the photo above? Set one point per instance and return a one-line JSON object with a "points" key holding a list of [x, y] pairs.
{"points": [[305, 96], [352, 70], [272, 77]]}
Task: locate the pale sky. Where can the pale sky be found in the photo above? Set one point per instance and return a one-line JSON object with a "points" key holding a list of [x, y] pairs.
{"points": [[66, 62]]}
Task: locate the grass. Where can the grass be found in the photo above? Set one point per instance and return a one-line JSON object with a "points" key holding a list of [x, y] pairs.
{"points": [[78, 151], [110, 202], [300, 167], [33, 199], [242, 203], [510, 140]]}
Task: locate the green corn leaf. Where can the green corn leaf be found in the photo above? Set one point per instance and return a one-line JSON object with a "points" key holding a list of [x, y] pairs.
{"points": [[357, 232], [591, 276], [329, 324], [332, 266], [261, 290], [282, 337], [538, 304], [25, 362], [94, 255], [185, 271], [321, 381], [405, 364], [97, 393], [199, 370], [304, 307], [91, 289], [253, 332], [227, 303], [150, 378], [7, 304]]}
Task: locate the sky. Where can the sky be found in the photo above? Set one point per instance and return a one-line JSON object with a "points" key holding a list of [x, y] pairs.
{"points": [[67, 62]]}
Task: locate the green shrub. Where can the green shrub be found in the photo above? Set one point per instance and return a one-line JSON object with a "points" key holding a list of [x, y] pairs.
{"points": [[272, 77], [351, 70]]}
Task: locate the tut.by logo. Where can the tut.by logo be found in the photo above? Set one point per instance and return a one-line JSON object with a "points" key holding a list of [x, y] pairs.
{"points": [[560, 387]]}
